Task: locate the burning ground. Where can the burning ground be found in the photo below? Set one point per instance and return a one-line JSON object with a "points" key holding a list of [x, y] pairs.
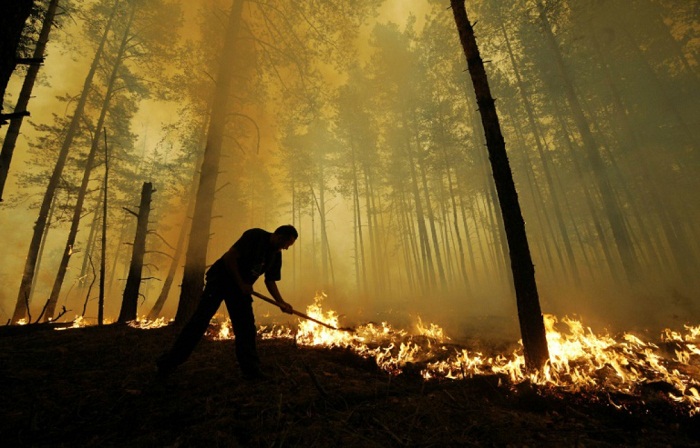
{"points": [[378, 386]]}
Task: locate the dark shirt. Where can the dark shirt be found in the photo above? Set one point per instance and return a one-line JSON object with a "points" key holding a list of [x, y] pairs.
{"points": [[256, 256]]}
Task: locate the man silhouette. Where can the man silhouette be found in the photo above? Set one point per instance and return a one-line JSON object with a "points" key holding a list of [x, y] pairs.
{"points": [[230, 279]]}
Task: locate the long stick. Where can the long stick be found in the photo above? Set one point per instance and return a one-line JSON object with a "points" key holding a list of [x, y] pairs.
{"points": [[300, 314]]}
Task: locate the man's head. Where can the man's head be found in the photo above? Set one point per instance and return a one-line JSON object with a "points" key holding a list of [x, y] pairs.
{"points": [[284, 236]]}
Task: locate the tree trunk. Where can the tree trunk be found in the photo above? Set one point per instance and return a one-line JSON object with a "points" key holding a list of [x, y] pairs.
{"points": [[544, 159], [40, 254], [360, 264], [78, 210], [133, 282], [165, 291], [326, 259], [426, 255], [538, 201], [123, 232], [163, 296], [103, 258], [90, 242], [8, 145], [12, 20], [196, 255], [588, 196], [684, 259], [455, 220], [30, 264], [623, 242], [321, 204], [531, 322], [431, 221]]}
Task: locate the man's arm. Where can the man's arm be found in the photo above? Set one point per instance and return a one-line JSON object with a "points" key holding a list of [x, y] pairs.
{"points": [[231, 260], [275, 293]]}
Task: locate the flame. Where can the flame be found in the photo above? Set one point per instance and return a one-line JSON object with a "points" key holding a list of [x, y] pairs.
{"points": [[147, 324], [580, 361]]}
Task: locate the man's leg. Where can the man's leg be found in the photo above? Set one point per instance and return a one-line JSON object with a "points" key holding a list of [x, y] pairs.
{"points": [[192, 332], [240, 309]]}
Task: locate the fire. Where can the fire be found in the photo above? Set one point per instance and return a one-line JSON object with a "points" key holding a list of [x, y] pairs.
{"points": [[147, 324], [580, 361]]}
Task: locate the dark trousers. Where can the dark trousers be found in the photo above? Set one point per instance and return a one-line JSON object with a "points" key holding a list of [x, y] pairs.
{"points": [[240, 309]]}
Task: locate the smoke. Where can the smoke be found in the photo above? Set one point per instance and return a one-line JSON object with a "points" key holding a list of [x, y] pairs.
{"points": [[255, 188]]}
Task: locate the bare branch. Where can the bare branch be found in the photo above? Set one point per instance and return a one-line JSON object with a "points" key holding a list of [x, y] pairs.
{"points": [[133, 213]]}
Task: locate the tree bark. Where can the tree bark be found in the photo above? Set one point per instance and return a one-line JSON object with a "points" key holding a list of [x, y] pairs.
{"points": [[133, 282], [529, 313]]}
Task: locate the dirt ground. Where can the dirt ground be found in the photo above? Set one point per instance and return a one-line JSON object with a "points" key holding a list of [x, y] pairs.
{"points": [[97, 387]]}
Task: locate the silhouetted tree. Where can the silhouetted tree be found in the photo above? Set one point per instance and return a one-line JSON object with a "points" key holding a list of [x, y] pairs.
{"points": [[529, 313]]}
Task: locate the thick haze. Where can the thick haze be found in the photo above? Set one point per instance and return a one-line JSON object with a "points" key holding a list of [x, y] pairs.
{"points": [[341, 114]]}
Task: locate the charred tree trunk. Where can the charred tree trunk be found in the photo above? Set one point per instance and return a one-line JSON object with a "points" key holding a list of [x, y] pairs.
{"points": [[32, 253], [529, 313], [196, 255], [13, 15], [537, 199], [103, 259], [82, 191], [133, 282], [8, 146]]}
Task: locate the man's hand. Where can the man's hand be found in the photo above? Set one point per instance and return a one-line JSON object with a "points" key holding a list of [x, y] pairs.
{"points": [[285, 307]]}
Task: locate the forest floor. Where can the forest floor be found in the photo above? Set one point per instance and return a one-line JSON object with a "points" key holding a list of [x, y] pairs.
{"points": [[97, 386]]}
